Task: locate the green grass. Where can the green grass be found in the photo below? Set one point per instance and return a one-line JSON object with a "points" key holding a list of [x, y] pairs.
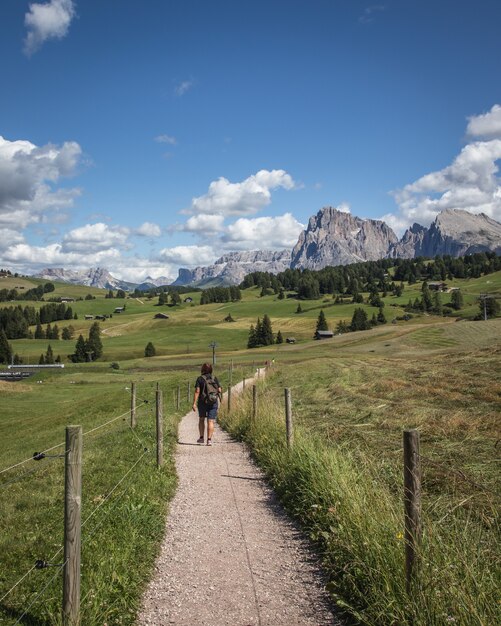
{"points": [[352, 396], [343, 479], [121, 537]]}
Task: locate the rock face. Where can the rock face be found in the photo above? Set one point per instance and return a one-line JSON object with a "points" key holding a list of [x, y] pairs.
{"points": [[454, 232], [231, 268], [93, 277], [336, 238]]}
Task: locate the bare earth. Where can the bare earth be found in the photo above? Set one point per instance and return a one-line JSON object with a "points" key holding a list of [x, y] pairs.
{"points": [[230, 555]]}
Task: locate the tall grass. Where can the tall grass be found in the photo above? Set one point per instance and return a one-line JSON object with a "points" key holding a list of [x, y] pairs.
{"points": [[347, 504]]}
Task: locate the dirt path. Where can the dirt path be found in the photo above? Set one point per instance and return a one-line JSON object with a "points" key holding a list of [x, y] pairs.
{"points": [[230, 555]]}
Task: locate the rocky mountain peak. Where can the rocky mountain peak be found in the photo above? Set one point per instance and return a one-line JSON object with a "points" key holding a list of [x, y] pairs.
{"points": [[334, 237]]}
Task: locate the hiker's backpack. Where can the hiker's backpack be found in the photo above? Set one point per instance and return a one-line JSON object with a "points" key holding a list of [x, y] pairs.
{"points": [[210, 391]]}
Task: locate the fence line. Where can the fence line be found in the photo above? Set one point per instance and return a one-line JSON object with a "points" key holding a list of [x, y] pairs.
{"points": [[46, 586]]}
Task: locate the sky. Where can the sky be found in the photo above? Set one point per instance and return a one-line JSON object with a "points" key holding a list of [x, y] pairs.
{"points": [[147, 136]]}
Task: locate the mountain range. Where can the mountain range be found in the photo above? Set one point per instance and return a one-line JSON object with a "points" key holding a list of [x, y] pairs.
{"points": [[332, 237]]}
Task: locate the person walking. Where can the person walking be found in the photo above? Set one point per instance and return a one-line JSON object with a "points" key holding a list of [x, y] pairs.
{"points": [[208, 392]]}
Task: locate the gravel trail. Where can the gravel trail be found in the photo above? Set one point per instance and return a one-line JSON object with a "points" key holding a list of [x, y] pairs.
{"points": [[230, 555]]}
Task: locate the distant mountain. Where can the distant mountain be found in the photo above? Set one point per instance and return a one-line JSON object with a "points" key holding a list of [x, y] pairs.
{"points": [[231, 268], [93, 277], [455, 232], [337, 238]]}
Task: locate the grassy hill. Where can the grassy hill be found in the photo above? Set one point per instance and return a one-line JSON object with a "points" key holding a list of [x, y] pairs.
{"points": [[352, 396]]}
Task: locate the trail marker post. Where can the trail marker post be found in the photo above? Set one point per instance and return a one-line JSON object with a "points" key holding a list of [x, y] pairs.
{"points": [[72, 525], [254, 403], [289, 432], [160, 427], [133, 405], [412, 505]]}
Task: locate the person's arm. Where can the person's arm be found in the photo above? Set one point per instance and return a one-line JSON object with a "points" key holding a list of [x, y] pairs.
{"points": [[195, 398]]}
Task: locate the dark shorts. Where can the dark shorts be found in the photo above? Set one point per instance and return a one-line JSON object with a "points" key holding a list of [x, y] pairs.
{"points": [[210, 412]]}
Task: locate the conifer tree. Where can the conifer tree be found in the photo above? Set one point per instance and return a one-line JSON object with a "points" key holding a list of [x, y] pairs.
{"points": [[279, 338], [299, 309], [381, 319], [321, 322], [41, 360], [457, 299], [94, 343], [5, 348], [39, 332], [266, 335], [251, 342], [49, 356], [149, 350]]}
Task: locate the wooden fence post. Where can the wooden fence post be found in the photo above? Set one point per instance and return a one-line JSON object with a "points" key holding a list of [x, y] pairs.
{"points": [[133, 405], [160, 428], [243, 383], [189, 391], [412, 504], [72, 525], [178, 397], [229, 398], [254, 403], [288, 419]]}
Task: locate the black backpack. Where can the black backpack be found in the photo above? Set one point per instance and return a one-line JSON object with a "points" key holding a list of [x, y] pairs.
{"points": [[210, 391]]}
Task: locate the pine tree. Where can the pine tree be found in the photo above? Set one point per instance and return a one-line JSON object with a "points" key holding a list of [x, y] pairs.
{"points": [[162, 298], [41, 360], [94, 343], [149, 350], [175, 298], [381, 319], [299, 309], [48, 332], [39, 332], [279, 338], [281, 294], [321, 322], [49, 356], [5, 348], [266, 331], [359, 320], [79, 355], [252, 342], [55, 332], [457, 299]]}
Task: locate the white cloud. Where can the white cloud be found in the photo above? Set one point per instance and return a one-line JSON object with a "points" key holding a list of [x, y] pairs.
{"points": [[172, 141], [204, 224], [470, 183], [245, 198], [148, 229], [188, 256], [26, 175], [183, 87], [9, 237], [486, 126], [50, 20], [31, 257], [94, 238], [344, 207], [369, 13], [265, 233]]}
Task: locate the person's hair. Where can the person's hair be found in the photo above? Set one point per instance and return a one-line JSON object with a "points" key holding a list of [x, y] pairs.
{"points": [[206, 368]]}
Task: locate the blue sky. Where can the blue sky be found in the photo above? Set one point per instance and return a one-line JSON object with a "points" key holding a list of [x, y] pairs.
{"points": [[148, 136]]}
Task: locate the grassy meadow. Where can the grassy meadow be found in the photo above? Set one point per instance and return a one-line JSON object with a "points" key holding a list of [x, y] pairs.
{"points": [[352, 397]]}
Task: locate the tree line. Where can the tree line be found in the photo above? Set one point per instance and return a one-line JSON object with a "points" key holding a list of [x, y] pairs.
{"points": [[16, 320], [372, 275], [220, 294]]}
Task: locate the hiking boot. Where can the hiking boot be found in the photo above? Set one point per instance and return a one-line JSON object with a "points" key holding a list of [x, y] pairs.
{"points": [[200, 440], [209, 442]]}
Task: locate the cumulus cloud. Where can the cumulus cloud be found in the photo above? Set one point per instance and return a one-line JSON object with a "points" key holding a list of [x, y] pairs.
{"points": [[486, 126], [471, 182], [183, 87], [344, 207], [244, 198], [263, 232], [204, 224], [172, 141], [148, 229], [27, 174], [188, 256], [50, 20], [32, 257], [95, 238]]}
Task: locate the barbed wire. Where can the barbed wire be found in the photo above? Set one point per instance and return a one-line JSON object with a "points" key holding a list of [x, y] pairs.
{"points": [[46, 586], [113, 489]]}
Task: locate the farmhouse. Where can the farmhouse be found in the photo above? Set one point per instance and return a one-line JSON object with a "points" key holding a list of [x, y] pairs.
{"points": [[119, 309], [437, 286], [324, 334], [89, 317], [67, 299], [161, 316], [188, 299], [290, 340]]}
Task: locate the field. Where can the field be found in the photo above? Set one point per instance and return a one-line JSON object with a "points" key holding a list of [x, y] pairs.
{"points": [[352, 397]]}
